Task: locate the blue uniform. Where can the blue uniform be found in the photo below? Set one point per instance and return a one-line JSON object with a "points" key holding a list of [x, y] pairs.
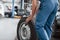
{"points": [[45, 17]]}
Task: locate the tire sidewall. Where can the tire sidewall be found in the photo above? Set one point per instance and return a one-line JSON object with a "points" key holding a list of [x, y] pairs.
{"points": [[32, 29]]}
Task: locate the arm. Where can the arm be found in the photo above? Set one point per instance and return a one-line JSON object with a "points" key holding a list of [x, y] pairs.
{"points": [[34, 7], [34, 10]]}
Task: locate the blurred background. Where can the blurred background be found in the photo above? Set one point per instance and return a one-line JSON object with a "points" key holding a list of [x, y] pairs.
{"points": [[10, 13]]}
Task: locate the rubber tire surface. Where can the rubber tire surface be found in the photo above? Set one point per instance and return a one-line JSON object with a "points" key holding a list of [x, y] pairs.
{"points": [[32, 29], [8, 13]]}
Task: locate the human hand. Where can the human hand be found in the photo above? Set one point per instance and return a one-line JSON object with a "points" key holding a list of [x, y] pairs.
{"points": [[29, 19]]}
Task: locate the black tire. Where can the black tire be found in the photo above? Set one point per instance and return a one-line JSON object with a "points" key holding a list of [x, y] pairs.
{"points": [[32, 31], [8, 14]]}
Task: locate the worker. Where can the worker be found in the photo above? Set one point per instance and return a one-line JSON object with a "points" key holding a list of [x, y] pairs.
{"points": [[45, 16]]}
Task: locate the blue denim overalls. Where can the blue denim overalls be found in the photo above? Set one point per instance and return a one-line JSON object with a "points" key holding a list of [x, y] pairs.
{"points": [[44, 18]]}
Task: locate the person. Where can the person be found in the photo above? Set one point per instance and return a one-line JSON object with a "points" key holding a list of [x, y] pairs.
{"points": [[16, 9], [45, 16]]}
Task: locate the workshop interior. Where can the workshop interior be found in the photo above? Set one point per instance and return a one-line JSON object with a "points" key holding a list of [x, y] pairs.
{"points": [[13, 14]]}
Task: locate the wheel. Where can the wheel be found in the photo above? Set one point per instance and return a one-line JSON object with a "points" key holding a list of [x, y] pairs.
{"points": [[26, 31], [8, 14]]}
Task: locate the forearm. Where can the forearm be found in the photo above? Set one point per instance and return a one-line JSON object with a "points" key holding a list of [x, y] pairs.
{"points": [[36, 10], [34, 7]]}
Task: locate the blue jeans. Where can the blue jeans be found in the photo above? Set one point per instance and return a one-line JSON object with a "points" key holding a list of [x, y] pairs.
{"points": [[44, 20]]}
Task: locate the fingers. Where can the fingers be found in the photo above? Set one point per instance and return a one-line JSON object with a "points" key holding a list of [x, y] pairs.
{"points": [[27, 20]]}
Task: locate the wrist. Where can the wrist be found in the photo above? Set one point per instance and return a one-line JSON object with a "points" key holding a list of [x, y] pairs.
{"points": [[31, 16]]}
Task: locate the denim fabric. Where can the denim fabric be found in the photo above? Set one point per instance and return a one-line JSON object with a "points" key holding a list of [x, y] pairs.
{"points": [[44, 20]]}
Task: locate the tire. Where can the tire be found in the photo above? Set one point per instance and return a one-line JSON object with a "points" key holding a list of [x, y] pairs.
{"points": [[8, 14], [26, 32]]}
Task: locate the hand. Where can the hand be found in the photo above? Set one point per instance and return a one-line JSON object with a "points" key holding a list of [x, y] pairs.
{"points": [[29, 19]]}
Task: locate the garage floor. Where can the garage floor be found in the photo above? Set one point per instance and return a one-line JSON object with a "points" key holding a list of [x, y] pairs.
{"points": [[8, 29]]}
